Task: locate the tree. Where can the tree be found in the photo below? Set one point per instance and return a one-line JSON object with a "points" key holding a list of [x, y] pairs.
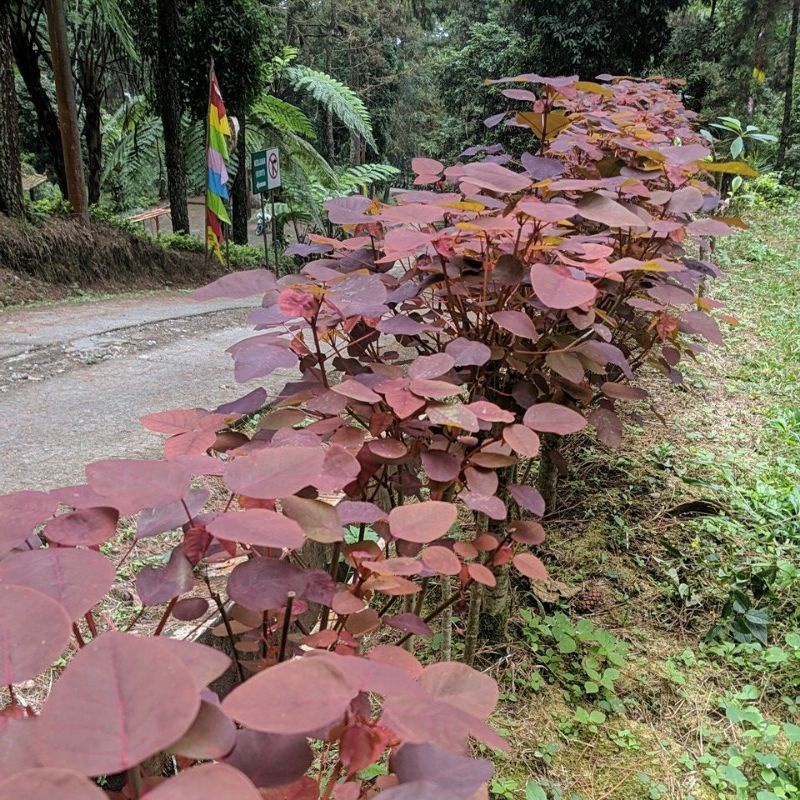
{"points": [[10, 180], [579, 37], [28, 42], [788, 96], [170, 106], [102, 51], [242, 40], [67, 109]]}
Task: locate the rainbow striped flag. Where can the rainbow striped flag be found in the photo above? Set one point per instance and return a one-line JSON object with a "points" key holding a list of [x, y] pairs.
{"points": [[217, 184]]}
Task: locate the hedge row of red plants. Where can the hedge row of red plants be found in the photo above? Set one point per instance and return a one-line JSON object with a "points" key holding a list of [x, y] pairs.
{"points": [[430, 348]]}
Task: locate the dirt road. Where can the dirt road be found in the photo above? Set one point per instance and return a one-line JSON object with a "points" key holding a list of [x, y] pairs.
{"points": [[76, 377]]}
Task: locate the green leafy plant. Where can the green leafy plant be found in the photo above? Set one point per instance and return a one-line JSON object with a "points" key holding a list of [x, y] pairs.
{"points": [[578, 656]]}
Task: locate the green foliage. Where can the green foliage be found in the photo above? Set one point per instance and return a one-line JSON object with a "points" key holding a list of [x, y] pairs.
{"points": [[567, 37], [490, 48], [132, 153], [762, 764], [579, 657], [336, 97], [284, 116]]}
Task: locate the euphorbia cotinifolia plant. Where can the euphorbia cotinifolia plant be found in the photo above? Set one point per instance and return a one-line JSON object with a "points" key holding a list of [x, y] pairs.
{"points": [[430, 351]]}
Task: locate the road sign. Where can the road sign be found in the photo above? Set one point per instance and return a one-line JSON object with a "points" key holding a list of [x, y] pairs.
{"points": [[266, 170], [258, 163], [273, 169]]}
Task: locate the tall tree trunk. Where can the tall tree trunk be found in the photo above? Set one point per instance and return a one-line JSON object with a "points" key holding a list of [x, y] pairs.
{"points": [[67, 110], [330, 141], [93, 135], [10, 179], [240, 193], [788, 96], [169, 101], [26, 57]]}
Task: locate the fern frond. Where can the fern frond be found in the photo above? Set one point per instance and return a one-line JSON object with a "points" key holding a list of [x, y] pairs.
{"points": [[364, 175], [283, 115], [337, 98]]}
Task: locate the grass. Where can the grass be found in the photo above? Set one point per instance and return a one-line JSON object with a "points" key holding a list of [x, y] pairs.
{"points": [[703, 599]]}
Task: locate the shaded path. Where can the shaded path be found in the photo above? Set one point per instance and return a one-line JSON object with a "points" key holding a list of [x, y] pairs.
{"points": [[76, 377]]}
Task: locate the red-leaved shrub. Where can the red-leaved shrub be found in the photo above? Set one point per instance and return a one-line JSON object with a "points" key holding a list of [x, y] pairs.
{"points": [[432, 347]]}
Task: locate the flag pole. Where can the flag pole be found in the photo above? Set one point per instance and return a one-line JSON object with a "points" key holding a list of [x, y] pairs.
{"points": [[205, 156]]}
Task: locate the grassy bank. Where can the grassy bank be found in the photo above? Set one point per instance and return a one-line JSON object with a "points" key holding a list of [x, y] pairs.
{"points": [[674, 672]]}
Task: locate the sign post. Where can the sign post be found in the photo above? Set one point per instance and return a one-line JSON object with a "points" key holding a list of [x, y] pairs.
{"points": [[266, 170], [259, 172], [273, 182]]}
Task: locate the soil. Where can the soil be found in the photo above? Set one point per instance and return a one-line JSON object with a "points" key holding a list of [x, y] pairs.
{"points": [[60, 258]]}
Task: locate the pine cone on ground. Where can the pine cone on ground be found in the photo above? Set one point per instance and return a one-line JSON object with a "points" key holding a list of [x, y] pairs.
{"points": [[591, 598]]}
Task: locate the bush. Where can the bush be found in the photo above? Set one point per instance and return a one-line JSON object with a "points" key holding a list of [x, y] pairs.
{"points": [[433, 348]]}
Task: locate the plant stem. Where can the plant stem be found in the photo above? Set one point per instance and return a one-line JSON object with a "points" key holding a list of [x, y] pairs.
{"points": [[447, 623], [165, 616], [135, 781], [473, 624], [78, 637], [224, 614], [287, 621]]}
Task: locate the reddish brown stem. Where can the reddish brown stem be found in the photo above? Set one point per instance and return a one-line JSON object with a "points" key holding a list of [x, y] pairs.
{"points": [[165, 616]]}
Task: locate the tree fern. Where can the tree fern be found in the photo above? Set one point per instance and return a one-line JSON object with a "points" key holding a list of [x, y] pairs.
{"points": [[132, 145], [280, 114], [337, 98], [364, 175]]}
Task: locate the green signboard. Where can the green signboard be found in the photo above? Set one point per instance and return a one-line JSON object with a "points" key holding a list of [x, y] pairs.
{"points": [[266, 170]]}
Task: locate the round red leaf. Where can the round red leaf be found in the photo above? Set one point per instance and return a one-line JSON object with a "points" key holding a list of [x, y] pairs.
{"points": [[463, 687], [270, 759], [555, 287], [77, 579], [521, 440], [553, 418], [422, 522], [34, 630], [396, 657], [441, 560], [120, 700], [190, 608], [87, 527], [206, 782], [296, 696], [20, 513], [481, 574], [258, 526], [530, 566], [526, 531], [204, 663], [263, 583], [131, 485], [275, 471], [211, 736], [48, 783]]}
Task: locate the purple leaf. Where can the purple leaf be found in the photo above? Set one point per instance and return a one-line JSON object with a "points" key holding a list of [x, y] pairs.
{"points": [[409, 623], [270, 759], [237, 285], [155, 586], [127, 696], [528, 497], [77, 579], [263, 583]]}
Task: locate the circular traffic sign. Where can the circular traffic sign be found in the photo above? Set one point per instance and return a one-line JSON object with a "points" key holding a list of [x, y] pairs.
{"points": [[273, 165]]}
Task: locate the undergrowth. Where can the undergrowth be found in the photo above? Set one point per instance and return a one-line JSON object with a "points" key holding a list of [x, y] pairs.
{"points": [[681, 678]]}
